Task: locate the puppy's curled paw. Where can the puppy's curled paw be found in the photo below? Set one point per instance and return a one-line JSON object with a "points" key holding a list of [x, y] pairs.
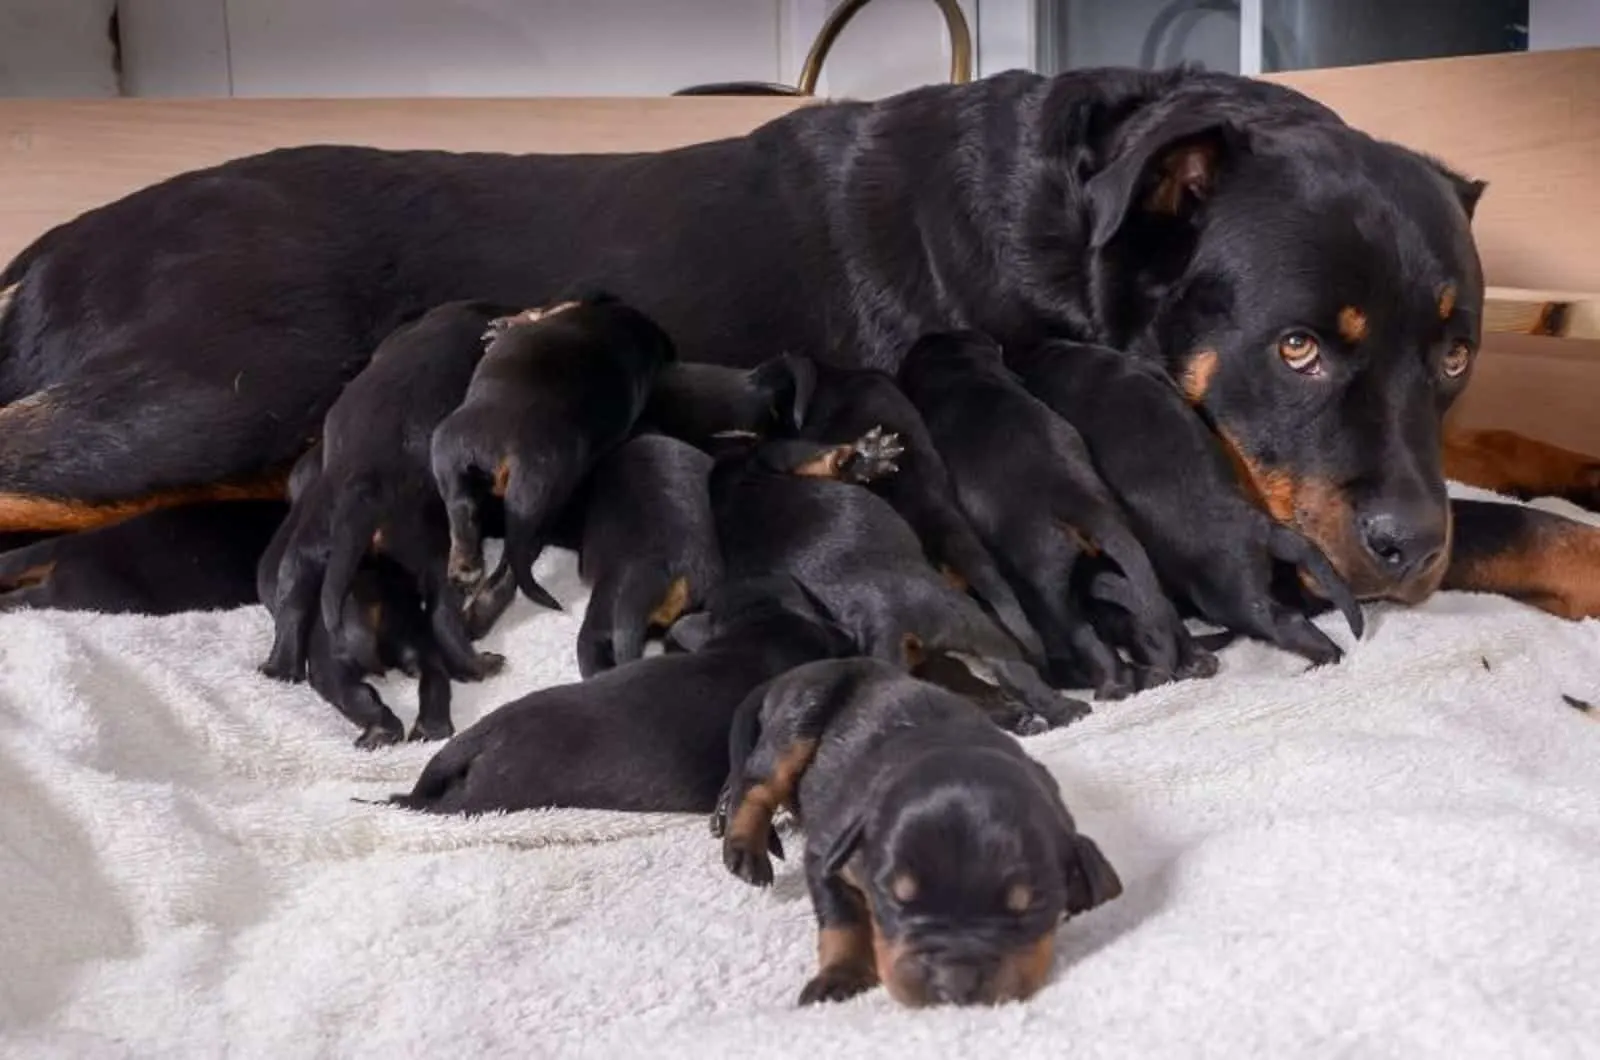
{"points": [[381, 734], [748, 861], [431, 730], [840, 982]]}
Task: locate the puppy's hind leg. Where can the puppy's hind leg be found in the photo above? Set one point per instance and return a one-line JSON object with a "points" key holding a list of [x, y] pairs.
{"points": [[337, 679], [458, 483], [490, 600]]}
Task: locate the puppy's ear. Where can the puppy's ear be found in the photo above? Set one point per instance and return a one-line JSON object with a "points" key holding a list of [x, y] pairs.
{"points": [[843, 847], [1090, 879], [691, 631], [1468, 191], [1167, 170]]}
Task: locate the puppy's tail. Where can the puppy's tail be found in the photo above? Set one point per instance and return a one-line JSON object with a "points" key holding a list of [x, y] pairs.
{"points": [[1289, 546], [531, 500], [354, 522]]}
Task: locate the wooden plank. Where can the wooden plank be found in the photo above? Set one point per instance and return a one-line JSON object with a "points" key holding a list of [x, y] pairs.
{"points": [[1541, 387], [59, 158], [1556, 314]]}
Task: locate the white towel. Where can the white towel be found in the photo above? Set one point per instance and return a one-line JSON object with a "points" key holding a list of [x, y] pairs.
{"points": [[1391, 857]]}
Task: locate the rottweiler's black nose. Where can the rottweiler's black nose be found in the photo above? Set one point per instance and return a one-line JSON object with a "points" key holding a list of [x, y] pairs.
{"points": [[1405, 541], [954, 984]]}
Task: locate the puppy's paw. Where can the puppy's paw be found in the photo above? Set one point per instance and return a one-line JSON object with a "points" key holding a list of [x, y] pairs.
{"points": [[281, 670], [431, 730], [748, 861], [719, 816], [838, 982], [489, 664], [381, 734], [1042, 717], [873, 456], [1199, 664]]}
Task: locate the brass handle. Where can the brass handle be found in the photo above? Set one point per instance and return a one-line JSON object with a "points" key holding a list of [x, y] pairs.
{"points": [[954, 20]]}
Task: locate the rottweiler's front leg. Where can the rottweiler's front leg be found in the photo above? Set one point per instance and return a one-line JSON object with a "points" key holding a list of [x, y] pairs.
{"points": [[1521, 467], [845, 960], [1535, 556]]}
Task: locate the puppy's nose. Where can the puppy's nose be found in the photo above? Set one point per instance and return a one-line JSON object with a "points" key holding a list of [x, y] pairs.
{"points": [[955, 984], [1406, 541]]}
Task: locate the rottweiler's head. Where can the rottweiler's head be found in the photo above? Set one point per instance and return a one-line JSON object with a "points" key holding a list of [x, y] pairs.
{"points": [[967, 866], [1317, 295]]}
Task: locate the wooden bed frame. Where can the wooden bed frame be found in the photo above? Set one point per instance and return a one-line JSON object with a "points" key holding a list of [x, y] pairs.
{"points": [[1528, 123]]}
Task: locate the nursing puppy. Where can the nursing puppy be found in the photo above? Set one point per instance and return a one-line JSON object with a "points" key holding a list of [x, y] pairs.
{"points": [[649, 546], [1211, 543], [648, 736], [374, 494], [697, 403], [797, 507], [844, 405], [1026, 480], [939, 857], [557, 388], [194, 558]]}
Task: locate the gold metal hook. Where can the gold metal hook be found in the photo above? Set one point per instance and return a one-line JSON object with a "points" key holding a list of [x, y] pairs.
{"points": [[954, 20]]}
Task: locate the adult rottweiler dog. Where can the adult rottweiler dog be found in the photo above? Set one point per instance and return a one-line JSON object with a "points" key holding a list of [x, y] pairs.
{"points": [[940, 858], [1216, 547], [801, 508], [1319, 289], [1026, 478], [844, 405], [649, 546], [374, 493], [558, 388], [648, 736]]}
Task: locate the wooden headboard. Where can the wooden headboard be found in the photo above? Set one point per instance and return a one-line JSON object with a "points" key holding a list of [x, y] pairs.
{"points": [[1528, 123]]}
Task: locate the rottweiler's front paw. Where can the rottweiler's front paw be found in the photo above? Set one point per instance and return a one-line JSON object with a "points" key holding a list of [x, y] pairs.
{"points": [[431, 730], [872, 457], [839, 982], [747, 860], [381, 734]]}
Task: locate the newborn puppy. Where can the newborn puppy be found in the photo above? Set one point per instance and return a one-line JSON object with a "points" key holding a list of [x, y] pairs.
{"points": [[844, 406], [698, 403], [374, 493], [1208, 541], [649, 736], [382, 626], [796, 507], [556, 390], [649, 546], [198, 557], [1026, 480], [939, 857]]}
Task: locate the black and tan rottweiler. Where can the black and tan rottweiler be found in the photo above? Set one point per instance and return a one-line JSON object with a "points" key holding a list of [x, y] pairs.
{"points": [[199, 557], [649, 546], [940, 857], [704, 403], [558, 387], [847, 403], [799, 508], [1318, 289], [1026, 479], [374, 495], [648, 736], [1214, 545]]}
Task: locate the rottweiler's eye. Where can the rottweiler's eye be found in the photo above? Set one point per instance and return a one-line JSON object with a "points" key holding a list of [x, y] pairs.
{"points": [[1457, 359], [1301, 351]]}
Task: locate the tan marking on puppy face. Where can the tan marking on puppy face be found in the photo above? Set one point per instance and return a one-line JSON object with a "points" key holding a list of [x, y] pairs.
{"points": [[1447, 301], [1352, 324], [1023, 972], [1019, 896], [672, 605], [1197, 375], [378, 540], [903, 887]]}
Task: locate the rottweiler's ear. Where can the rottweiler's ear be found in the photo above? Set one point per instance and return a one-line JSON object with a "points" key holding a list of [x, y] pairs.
{"points": [[791, 380], [1090, 879], [691, 631], [1165, 171], [1469, 192], [843, 847]]}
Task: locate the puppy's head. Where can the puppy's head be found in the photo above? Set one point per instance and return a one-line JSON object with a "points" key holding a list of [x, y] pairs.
{"points": [[967, 867], [1316, 294]]}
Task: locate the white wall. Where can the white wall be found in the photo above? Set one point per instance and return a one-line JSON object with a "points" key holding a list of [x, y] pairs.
{"points": [[56, 48], [1555, 24]]}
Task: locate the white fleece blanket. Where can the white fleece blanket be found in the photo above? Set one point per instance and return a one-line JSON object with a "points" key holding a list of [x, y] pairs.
{"points": [[1392, 857]]}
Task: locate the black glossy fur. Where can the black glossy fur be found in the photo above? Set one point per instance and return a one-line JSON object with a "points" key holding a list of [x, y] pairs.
{"points": [[850, 549], [930, 835], [648, 736], [1025, 478], [845, 405], [1213, 546], [194, 558], [697, 403], [1161, 213], [550, 397], [649, 546]]}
